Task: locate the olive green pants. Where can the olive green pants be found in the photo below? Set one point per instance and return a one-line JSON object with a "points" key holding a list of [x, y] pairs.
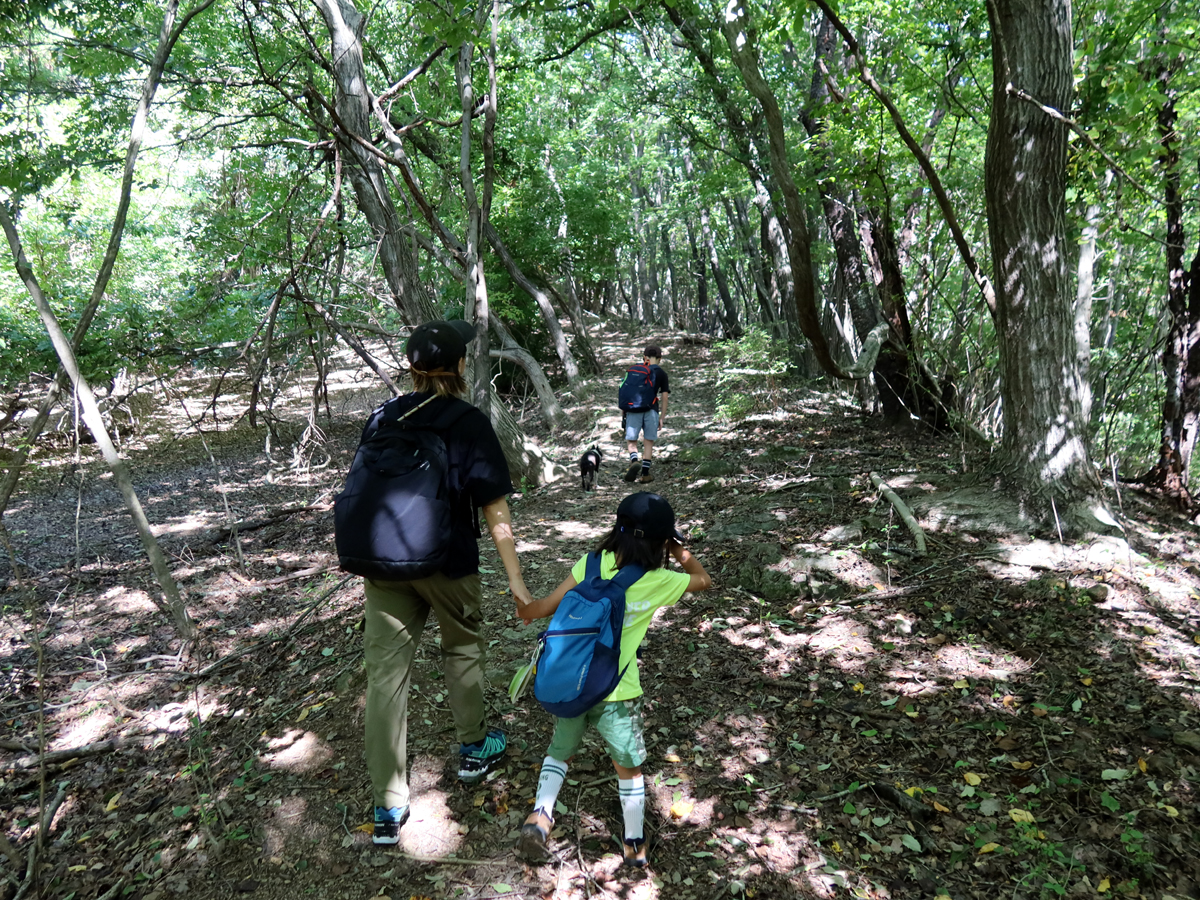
{"points": [[396, 612]]}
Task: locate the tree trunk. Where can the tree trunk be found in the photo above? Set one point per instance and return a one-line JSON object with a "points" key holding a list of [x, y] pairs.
{"points": [[475, 301], [1178, 440], [173, 603], [353, 105], [1045, 396], [697, 264], [510, 350], [729, 310], [740, 36], [169, 34]]}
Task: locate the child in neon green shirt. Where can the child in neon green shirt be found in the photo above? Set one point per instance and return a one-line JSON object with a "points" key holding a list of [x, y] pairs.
{"points": [[644, 535]]}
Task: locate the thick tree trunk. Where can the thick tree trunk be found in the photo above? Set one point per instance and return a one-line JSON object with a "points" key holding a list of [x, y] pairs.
{"points": [[741, 37], [353, 106], [1045, 396]]}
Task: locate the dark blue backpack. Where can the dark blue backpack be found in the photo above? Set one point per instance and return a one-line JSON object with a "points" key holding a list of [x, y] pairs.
{"points": [[637, 390], [392, 520], [581, 650]]}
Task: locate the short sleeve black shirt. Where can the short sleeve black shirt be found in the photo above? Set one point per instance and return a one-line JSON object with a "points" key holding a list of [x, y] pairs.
{"points": [[661, 384], [478, 471]]}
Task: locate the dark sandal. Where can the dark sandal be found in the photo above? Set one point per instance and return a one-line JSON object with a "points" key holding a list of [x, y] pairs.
{"points": [[531, 845], [639, 845]]}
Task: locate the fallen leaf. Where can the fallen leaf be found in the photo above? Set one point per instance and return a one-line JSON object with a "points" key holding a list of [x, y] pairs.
{"points": [[962, 683], [858, 688], [971, 778], [116, 799], [837, 848], [911, 843], [1171, 811], [76, 868], [1020, 815], [501, 888], [1022, 765], [681, 809], [1086, 682], [1006, 743], [913, 791], [1149, 629], [1039, 712], [940, 808], [989, 847], [1009, 702], [1103, 886], [1142, 765], [366, 828], [937, 641]]}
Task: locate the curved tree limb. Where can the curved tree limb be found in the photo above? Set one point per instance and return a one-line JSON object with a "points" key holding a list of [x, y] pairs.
{"points": [[174, 605], [169, 35], [922, 158], [902, 510]]}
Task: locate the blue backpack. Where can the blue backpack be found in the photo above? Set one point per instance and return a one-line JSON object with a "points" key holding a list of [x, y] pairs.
{"points": [[637, 389], [580, 651]]}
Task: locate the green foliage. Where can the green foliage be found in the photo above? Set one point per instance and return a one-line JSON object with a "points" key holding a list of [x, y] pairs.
{"points": [[750, 368]]}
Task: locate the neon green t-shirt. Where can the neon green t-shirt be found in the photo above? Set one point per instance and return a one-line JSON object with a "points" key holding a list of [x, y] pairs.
{"points": [[655, 589]]}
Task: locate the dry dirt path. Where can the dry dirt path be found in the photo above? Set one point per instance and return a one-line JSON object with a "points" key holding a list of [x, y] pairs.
{"points": [[837, 717]]}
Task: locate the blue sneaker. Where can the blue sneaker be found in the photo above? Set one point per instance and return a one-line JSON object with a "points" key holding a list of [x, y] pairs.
{"points": [[476, 760], [388, 823]]}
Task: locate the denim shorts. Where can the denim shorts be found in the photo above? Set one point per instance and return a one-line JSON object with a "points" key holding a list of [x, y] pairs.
{"points": [[619, 723], [645, 420]]}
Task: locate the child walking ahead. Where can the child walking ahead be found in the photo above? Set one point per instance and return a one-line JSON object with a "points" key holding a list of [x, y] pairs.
{"points": [[644, 535]]}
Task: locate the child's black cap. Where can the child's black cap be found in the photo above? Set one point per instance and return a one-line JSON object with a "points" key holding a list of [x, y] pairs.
{"points": [[648, 516], [439, 345]]}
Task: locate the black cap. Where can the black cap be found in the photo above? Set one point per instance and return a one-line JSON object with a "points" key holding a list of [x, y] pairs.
{"points": [[439, 345], [649, 516]]}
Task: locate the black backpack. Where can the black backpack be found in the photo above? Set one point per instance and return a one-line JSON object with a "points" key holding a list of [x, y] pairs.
{"points": [[392, 521], [637, 390]]}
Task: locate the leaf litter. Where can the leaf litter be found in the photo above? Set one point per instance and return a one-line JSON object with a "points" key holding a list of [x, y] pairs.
{"points": [[1005, 716]]}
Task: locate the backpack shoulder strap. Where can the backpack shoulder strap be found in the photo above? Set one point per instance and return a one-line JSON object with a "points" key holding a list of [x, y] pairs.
{"points": [[593, 566], [625, 578]]}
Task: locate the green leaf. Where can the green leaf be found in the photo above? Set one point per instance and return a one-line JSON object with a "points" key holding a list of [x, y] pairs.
{"points": [[850, 808], [180, 811], [501, 888], [327, 651], [911, 843], [1109, 802]]}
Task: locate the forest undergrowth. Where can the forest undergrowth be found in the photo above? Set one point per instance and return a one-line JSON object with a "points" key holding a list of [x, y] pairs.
{"points": [[1004, 716]]}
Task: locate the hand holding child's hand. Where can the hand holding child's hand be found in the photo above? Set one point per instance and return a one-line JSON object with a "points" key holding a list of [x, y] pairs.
{"points": [[526, 612]]}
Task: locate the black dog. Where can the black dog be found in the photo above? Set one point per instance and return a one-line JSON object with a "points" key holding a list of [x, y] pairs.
{"points": [[589, 465]]}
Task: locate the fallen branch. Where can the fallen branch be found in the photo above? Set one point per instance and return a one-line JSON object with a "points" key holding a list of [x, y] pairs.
{"points": [[903, 510], [59, 756]]}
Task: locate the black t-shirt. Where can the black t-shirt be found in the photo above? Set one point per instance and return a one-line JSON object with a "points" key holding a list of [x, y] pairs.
{"points": [[478, 471], [661, 385]]}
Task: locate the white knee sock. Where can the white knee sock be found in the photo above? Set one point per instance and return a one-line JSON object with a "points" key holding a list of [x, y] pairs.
{"points": [[633, 805], [549, 783]]}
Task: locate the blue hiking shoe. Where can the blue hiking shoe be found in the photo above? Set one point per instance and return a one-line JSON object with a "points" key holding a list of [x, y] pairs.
{"points": [[476, 760], [388, 823]]}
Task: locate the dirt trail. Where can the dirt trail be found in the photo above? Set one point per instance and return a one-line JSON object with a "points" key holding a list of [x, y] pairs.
{"points": [[837, 717]]}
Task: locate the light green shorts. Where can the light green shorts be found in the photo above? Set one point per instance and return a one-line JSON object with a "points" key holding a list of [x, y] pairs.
{"points": [[619, 723]]}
